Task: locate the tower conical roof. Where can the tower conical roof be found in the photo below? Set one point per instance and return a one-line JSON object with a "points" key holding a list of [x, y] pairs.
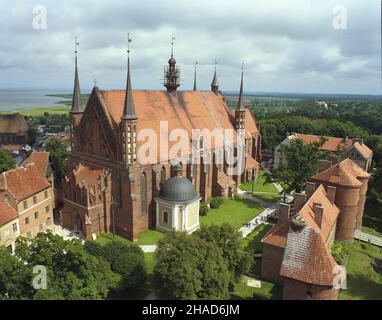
{"points": [[76, 100], [240, 102], [128, 109]]}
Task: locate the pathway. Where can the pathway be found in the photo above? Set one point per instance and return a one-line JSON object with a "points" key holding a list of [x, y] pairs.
{"points": [[262, 217], [365, 237]]}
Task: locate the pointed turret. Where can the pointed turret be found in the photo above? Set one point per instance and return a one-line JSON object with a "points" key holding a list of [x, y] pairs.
{"points": [[128, 109], [214, 83], [195, 77], [128, 128], [76, 100], [240, 102], [240, 108]]}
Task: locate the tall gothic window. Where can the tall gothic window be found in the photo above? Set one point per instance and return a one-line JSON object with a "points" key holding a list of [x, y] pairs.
{"points": [[163, 175], [143, 193], [194, 171]]}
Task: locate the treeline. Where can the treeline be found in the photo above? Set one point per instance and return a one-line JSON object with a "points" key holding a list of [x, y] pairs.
{"points": [[274, 130]]}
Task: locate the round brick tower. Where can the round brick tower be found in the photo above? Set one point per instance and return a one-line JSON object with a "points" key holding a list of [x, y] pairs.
{"points": [[347, 199], [351, 183], [362, 201]]}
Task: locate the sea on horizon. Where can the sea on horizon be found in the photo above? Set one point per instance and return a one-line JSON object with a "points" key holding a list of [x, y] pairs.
{"points": [[13, 100]]}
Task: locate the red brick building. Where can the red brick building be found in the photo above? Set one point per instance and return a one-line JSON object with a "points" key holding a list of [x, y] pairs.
{"points": [[351, 182], [30, 194], [13, 129], [107, 184], [296, 251]]}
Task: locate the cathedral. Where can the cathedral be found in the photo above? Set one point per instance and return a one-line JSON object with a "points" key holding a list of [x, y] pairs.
{"points": [[109, 188]]}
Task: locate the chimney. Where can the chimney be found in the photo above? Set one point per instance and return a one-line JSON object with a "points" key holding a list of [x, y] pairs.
{"points": [[318, 210], [310, 187], [331, 194], [324, 165], [299, 200], [284, 213]]}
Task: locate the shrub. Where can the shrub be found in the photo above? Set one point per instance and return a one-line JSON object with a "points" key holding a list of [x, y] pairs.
{"points": [[126, 260], [203, 209], [340, 253], [216, 202]]}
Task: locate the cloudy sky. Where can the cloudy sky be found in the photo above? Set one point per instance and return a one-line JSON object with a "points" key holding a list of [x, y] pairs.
{"points": [[287, 46]]}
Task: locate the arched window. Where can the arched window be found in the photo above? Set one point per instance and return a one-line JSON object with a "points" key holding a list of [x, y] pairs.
{"points": [[165, 216], [201, 144], [163, 175], [143, 194]]}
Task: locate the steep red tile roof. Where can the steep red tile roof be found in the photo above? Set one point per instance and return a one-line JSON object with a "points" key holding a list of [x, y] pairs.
{"points": [[332, 143], [12, 123], [306, 256], [363, 149], [307, 259], [250, 123], [346, 173], [7, 213], [225, 181], [277, 235], [40, 159], [251, 163], [181, 110], [23, 182]]}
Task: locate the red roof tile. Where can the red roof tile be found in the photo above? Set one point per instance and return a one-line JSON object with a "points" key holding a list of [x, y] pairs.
{"points": [[332, 143], [40, 159], [346, 173], [7, 213], [363, 149], [23, 182]]}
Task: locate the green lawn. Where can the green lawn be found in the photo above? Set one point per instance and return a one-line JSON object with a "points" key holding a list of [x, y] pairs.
{"points": [[252, 241], [41, 111], [234, 211], [147, 237], [265, 191], [363, 281], [268, 290]]}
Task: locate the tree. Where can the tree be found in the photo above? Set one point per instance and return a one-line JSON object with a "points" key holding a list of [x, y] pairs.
{"points": [[58, 153], [302, 163], [125, 259], [72, 273], [15, 277], [6, 161], [229, 240], [189, 267]]}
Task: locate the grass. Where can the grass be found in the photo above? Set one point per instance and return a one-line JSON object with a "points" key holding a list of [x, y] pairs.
{"points": [[371, 231], [268, 290], [40, 111], [363, 281], [252, 241], [148, 237], [234, 211], [265, 191]]}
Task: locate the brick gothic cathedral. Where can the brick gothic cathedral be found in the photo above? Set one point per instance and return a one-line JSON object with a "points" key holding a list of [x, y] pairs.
{"points": [[107, 188]]}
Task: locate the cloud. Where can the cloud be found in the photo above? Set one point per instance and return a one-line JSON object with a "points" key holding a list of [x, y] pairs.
{"points": [[286, 45]]}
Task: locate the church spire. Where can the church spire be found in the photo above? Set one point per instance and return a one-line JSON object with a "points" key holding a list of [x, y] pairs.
{"points": [[214, 83], [128, 109], [240, 102], [196, 63], [76, 100], [171, 73]]}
